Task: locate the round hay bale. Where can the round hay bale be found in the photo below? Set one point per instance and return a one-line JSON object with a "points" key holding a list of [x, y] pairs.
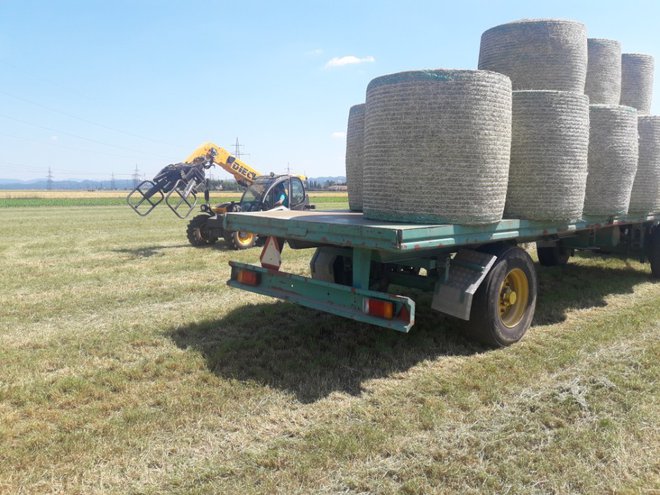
{"points": [[603, 86], [537, 54], [354, 156], [645, 197], [437, 146], [613, 153], [549, 146], [637, 81]]}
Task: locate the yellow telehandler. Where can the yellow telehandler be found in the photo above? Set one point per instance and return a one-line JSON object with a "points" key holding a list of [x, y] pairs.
{"points": [[180, 184]]}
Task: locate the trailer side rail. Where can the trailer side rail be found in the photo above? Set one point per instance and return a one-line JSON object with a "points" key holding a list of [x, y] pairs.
{"points": [[347, 229]]}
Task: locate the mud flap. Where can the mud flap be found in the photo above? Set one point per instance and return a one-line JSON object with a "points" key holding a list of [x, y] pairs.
{"points": [[455, 290]]}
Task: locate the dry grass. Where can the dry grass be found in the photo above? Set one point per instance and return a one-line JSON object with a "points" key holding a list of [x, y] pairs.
{"points": [[129, 367]]}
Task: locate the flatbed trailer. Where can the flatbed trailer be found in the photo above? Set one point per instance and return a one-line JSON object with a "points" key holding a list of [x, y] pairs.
{"points": [[476, 273]]}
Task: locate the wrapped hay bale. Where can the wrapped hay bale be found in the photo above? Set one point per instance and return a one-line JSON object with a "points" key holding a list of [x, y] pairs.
{"points": [[543, 54], [645, 197], [613, 153], [637, 81], [549, 146], [437, 146], [603, 86], [354, 156]]}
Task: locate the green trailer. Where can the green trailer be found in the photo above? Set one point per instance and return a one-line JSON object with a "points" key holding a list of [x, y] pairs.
{"points": [[479, 274]]}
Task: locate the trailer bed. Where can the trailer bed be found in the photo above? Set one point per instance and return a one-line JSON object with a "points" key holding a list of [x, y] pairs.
{"points": [[351, 229], [475, 273]]}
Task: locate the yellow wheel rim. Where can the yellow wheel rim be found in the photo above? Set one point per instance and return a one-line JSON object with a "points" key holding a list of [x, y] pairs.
{"points": [[244, 238], [514, 296]]}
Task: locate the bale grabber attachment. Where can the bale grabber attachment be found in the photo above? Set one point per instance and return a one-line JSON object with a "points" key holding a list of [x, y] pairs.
{"points": [[177, 184]]}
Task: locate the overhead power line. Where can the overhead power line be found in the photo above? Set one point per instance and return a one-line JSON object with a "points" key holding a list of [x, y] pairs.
{"points": [[51, 129], [82, 119], [67, 147]]}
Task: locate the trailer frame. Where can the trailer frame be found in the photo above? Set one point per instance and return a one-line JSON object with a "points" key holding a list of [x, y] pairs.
{"points": [[454, 260]]}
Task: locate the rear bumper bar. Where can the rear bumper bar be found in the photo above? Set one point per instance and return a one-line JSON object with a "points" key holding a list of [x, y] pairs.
{"points": [[332, 298]]}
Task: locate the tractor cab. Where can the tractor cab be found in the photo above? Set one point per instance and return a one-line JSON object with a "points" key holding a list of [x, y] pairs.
{"points": [[266, 191]]}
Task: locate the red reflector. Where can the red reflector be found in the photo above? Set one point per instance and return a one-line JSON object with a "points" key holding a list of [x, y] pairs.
{"points": [[247, 277], [379, 308], [404, 314]]}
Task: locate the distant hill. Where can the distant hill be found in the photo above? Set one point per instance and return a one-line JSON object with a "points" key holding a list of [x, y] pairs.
{"points": [[323, 180]]}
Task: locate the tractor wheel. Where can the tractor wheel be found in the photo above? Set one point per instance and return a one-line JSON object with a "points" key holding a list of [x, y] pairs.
{"points": [[654, 252], [504, 304], [240, 240], [197, 233], [556, 255]]}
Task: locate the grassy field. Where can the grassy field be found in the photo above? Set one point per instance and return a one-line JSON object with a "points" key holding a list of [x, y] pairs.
{"points": [[44, 199], [128, 366]]}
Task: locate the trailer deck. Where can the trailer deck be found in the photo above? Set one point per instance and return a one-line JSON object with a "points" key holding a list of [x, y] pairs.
{"points": [[350, 229]]}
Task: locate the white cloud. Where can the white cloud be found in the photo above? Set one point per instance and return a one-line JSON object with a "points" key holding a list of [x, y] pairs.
{"points": [[54, 138], [348, 60], [315, 53], [338, 135]]}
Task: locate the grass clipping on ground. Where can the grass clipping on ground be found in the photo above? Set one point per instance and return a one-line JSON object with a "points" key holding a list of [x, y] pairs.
{"points": [[129, 367]]}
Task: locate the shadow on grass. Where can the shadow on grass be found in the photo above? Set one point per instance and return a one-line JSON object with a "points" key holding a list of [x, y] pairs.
{"points": [[313, 354], [148, 251], [581, 286]]}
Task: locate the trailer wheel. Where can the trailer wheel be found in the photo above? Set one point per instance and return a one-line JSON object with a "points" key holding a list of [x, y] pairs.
{"points": [[240, 240], [654, 252], [504, 304], [197, 233], [556, 255]]}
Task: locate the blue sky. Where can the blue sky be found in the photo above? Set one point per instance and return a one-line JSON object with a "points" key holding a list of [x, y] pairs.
{"points": [[92, 88]]}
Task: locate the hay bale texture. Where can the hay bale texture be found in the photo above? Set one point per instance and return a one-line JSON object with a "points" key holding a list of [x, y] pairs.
{"points": [[645, 196], [437, 146], [354, 156], [550, 142], [613, 153], [544, 54], [603, 86], [637, 81]]}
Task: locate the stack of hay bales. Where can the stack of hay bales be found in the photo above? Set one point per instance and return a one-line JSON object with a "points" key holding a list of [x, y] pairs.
{"points": [[613, 142], [603, 85], [354, 156], [433, 146], [637, 81], [437, 146], [547, 62], [645, 196], [636, 91], [613, 154]]}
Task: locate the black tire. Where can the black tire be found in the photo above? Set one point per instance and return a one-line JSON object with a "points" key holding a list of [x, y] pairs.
{"points": [[497, 322], [240, 240], [196, 232], [556, 255], [654, 252]]}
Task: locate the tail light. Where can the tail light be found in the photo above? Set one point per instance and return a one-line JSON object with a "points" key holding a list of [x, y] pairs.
{"points": [[379, 308], [247, 277]]}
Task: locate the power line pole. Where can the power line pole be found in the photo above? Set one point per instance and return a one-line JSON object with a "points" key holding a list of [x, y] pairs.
{"points": [[136, 176], [49, 180], [237, 150], [113, 186]]}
